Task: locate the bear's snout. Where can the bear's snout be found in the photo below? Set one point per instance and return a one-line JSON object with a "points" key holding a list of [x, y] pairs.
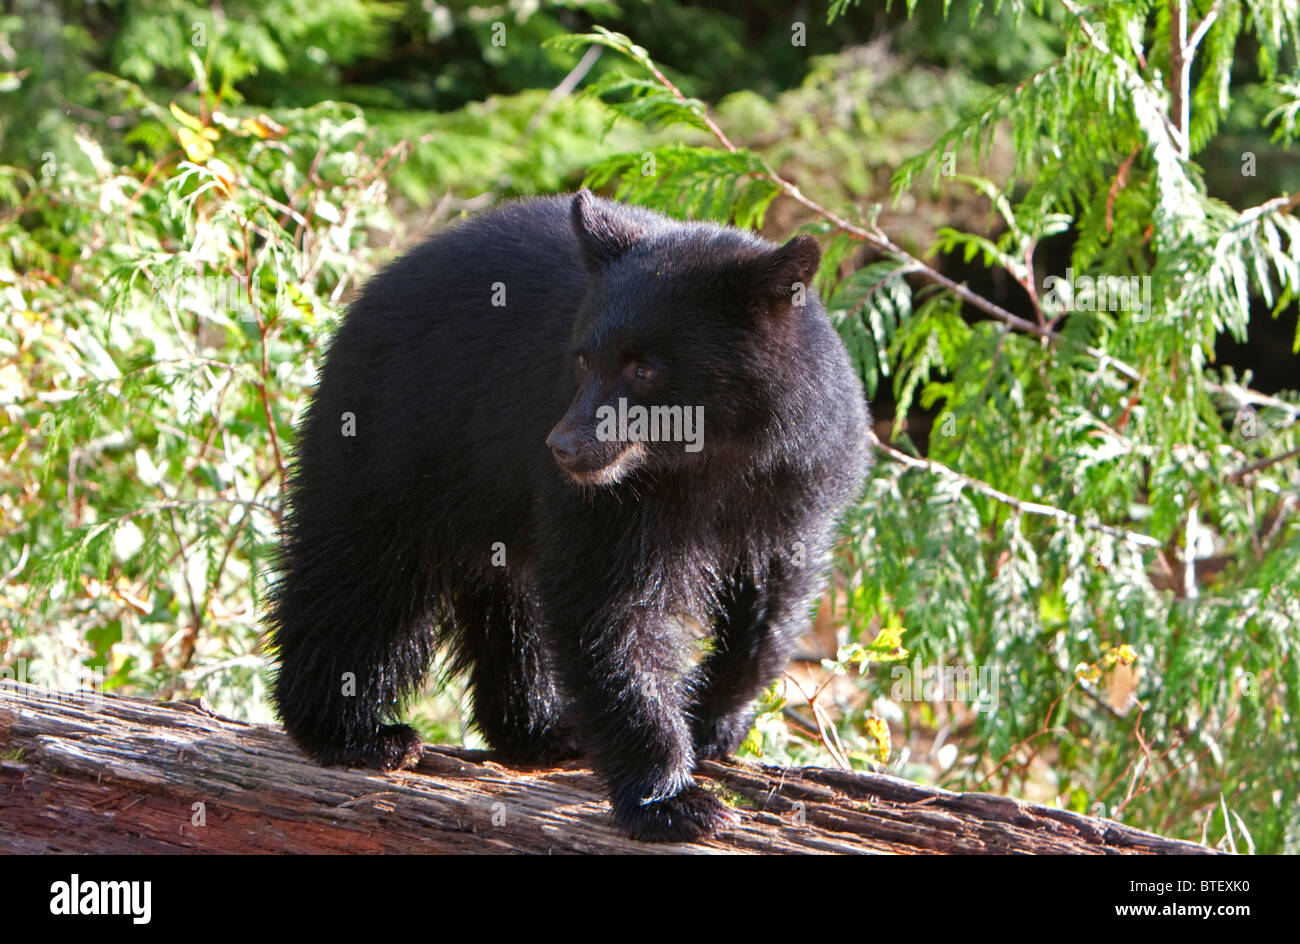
{"points": [[564, 446]]}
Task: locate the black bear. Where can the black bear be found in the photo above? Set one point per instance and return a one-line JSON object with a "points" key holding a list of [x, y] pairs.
{"points": [[558, 440]]}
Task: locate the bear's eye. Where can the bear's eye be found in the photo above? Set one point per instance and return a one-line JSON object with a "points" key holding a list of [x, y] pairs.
{"points": [[643, 372], [582, 361]]}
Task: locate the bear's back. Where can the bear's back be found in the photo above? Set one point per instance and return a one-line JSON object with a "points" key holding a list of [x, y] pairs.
{"points": [[453, 362]]}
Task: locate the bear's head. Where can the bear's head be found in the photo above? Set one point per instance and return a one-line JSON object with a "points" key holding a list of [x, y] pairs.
{"points": [[688, 347]]}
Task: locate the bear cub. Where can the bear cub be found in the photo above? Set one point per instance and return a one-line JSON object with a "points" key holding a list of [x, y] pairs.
{"points": [[556, 441]]}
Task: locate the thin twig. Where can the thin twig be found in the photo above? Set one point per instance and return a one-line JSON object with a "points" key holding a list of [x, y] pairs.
{"points": [[1147, 788], [1202, 28], [1248, 397], [819, 716], [1045, 728], [1028, 507], [1261, 464]]}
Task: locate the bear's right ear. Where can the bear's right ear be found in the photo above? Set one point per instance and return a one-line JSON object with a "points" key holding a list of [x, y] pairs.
{"points": [[603, 236]]}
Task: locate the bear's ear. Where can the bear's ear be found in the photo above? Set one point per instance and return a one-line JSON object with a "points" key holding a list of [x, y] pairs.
{"points": [[782, 278], [603, 236]]}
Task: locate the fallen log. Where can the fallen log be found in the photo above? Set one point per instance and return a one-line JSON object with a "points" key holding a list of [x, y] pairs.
{"points": [[104, 774]]}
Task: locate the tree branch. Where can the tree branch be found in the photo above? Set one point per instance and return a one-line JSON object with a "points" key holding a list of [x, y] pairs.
{"points": [[1180, 68], [876, 237], [1261, 464], [1028, 507]]}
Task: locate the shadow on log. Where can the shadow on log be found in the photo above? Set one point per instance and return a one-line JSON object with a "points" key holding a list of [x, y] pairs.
{"points": [[87, 773]]}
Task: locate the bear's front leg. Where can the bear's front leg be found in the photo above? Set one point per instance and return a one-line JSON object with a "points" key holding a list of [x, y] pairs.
{"points": [[759, 623], [624, 668]]}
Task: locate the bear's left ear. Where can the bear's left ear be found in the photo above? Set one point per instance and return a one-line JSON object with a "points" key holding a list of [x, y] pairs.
{"points": [[782, 278]]}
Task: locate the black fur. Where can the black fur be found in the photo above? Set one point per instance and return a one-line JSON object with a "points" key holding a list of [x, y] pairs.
{"points": [[580, 642]]}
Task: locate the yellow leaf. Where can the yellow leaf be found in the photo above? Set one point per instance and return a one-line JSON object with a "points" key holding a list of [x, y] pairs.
{"points": [[1124, 654], [263, 127], [888, 644], [197, 145], [185, 118], [878, 728]]}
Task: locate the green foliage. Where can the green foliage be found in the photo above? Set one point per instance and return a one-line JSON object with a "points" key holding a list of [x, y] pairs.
{"points": [[145, 377]]}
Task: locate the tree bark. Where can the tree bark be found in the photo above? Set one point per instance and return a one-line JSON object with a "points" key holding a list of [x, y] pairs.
{"points": [[104, 774]]}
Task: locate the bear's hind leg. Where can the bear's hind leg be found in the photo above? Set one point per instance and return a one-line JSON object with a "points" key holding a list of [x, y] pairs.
{"points": [[516, 703], [352, 640]]}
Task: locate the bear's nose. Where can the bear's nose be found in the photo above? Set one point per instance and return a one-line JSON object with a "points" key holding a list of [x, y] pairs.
{"points": [[563, 445]]}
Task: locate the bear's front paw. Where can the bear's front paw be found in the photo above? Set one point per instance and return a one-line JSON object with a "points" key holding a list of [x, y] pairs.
{"points": [[692, 814], [392, 747]]}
